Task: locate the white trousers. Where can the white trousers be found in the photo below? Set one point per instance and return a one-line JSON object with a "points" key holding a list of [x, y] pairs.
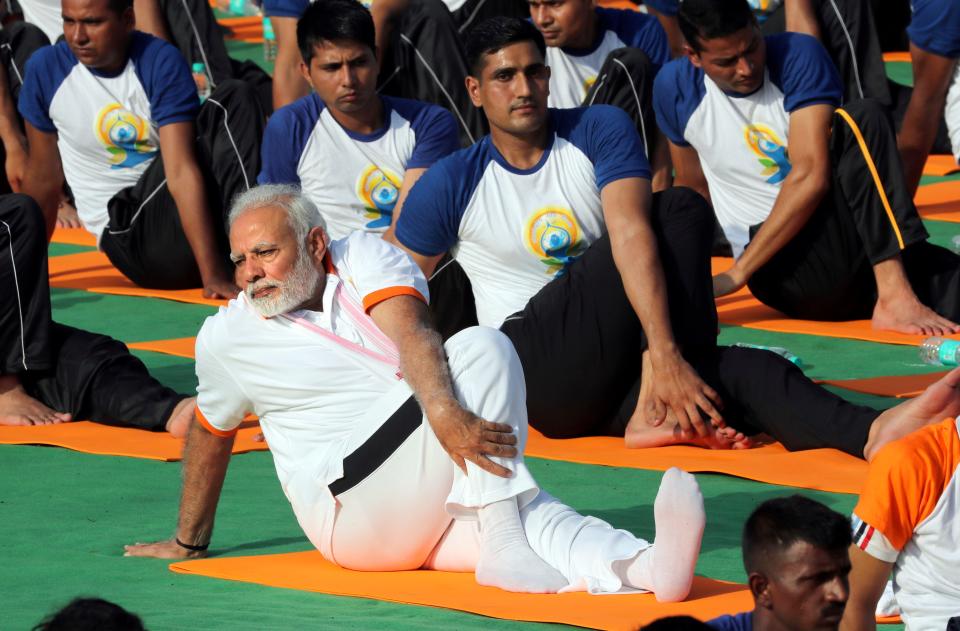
{"points": [[418, 509]]}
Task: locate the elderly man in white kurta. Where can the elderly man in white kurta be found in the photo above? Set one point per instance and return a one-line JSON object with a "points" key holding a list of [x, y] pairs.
{"points": [[395, 451]]}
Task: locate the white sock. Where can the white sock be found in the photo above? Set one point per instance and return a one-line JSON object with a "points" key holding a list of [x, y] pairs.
{"points": [[667, 567], [506, 559]]}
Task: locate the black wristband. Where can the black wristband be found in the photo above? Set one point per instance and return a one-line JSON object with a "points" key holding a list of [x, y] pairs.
{"points": [[192, 548]]}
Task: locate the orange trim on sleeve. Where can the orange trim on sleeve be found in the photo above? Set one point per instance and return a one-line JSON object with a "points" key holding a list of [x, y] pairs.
{"points": [[906, 480], [373, 299], [213, 430]]}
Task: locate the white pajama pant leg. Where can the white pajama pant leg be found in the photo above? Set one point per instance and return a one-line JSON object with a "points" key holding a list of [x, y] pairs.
{"points": [[395, 517]]}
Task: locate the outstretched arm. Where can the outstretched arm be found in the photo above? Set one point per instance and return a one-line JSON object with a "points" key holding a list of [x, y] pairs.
{"points": [[189, 193], [868, 579], [14, 142], [205, 461], [410, 177], [43, 178], [288, 84], [150, 19], [801, 17], [931, 81], [465, 436], [626, 208]]}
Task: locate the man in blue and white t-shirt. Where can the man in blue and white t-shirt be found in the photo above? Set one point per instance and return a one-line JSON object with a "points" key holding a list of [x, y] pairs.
{"points": [[354, 153], [823, 228], [100, 107], [610, 56]]}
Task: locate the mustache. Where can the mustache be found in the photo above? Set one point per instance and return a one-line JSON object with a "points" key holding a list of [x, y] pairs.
{"points": [[256, 286], [522, 103]]}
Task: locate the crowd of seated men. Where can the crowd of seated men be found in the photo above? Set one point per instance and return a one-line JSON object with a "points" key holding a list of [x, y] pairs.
{"points": [[552, 172]]}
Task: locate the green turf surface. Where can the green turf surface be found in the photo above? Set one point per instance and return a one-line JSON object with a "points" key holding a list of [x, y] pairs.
{"points": [[66, 515], [62, 249]]}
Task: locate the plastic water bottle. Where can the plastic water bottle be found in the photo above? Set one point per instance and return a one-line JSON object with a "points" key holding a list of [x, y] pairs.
{"points": [[243, 8], [269, 41], [782, 352], [938, 351], [200, 78]]}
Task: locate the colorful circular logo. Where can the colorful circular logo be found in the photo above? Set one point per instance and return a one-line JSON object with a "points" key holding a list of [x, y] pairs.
{"points": [[553, 234], [125, 136], [378, 190]]}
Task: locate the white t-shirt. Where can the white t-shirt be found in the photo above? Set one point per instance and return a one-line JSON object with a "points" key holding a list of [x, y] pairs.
{"points": [[44, 14], [308, 391], [108, 127], [743, 140], [514, 230], [573, 72], [909, 515], [354, 179]]}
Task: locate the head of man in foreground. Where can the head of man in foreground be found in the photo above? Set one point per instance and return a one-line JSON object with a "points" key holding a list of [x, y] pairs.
{"points": [[795, 555], [722, 38], [278, 245]]}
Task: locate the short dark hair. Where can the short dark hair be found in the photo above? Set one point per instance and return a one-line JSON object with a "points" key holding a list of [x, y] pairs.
{"points": [[677, 623], [495, 33], [91, 614], [709, 19], [333, 20], [779, 523], [119, 6]]}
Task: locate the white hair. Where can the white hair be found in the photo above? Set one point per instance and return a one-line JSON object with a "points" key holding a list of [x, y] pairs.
{"points": [[302, 214]]}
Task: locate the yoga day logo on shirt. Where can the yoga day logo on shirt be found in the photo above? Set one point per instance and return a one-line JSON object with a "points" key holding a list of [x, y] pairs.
{"points": [[125, 136], [773, 154], [553, 235], [378, 190]]}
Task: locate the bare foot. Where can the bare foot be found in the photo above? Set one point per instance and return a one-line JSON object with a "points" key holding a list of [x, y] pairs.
{"points": [[19, 408], [182, 416], [906, 314], [939, 401], [67, 216], [640, 435]]}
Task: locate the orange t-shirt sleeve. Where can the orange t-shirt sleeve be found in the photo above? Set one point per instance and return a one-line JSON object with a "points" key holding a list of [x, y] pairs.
{"points": [[906, 480]]}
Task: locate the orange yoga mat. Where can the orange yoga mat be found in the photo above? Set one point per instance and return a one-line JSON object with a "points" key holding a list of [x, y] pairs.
{"points": [[93, 438], [742, 309], [181, 347], [902, 387], [74, 236], [308, 571], [92, 271], [899, 56], [940, 165], [940, 201], [819, 469]]}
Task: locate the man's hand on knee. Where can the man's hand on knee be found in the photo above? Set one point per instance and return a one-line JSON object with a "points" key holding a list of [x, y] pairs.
{"points": [[466, 436]]}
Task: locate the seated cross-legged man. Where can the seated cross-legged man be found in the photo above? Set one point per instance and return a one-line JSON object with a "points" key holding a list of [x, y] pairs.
{"points": [[116, 113], [606, 56], [52, 373], [823, 228], [604, 288], [396, 451], [355, 153]]}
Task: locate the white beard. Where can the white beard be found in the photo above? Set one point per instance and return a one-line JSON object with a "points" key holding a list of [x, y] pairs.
{"points": [[300, 286]]}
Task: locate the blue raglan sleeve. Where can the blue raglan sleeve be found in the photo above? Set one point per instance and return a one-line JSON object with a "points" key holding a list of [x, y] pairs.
{"points": [[609, 139], [40, 83], [800, 65], [639, 30], [284, 139], [429, 223], [285, 8], [677, 91], [935, 27], [436, 136], [167, 81]]}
